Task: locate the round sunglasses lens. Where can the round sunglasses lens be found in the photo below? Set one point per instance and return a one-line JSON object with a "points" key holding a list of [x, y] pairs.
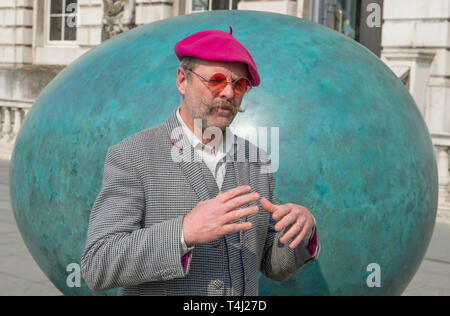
{"points": [[217, 82], [241, 86]]}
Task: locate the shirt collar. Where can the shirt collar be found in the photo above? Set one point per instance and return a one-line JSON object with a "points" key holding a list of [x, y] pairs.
{"points": [[196, 143]]}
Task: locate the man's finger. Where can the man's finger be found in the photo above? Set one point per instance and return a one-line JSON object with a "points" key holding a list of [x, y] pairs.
{"points": [[268, 206], [241, 200], [238, 214], [233, 228], [282, 211], [295, 229], [299, 237], [234, 192], [287, 220]]}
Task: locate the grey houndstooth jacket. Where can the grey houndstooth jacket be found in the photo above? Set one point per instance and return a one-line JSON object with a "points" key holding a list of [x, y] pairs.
{"points": [[134, 234]]}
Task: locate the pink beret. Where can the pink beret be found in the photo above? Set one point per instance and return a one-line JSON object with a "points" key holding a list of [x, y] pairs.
{"points": [[217, 45]]}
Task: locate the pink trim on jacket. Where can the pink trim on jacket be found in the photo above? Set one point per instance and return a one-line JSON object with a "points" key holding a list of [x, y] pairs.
{"points": [[313, 244], [184, 261]]}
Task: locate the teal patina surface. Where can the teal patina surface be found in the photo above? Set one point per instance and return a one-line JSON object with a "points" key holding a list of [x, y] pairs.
{"points": [[354, 148]]}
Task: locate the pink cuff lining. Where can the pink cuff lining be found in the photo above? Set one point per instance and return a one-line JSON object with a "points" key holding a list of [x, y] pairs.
{"points": [[184, 261], [313, 244]]}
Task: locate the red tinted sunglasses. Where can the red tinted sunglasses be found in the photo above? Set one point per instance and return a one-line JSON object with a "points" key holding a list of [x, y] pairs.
{"points": [[218, 82]]}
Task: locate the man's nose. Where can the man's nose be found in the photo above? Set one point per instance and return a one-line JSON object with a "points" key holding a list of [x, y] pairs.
{"points": [[228, 91]]}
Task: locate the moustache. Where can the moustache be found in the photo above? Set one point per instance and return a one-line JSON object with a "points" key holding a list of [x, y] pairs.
{"points": [[225, 104]]}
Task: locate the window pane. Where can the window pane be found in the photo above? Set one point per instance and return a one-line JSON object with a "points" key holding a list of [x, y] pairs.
{"points": [[70, 29], [55, 28], [199, 5], [220, 4], [71, 6], [235, 4], [56, 6], [349, 8]]}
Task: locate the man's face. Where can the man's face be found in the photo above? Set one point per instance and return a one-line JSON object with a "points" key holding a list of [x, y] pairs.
{"points": [[215, 109]]}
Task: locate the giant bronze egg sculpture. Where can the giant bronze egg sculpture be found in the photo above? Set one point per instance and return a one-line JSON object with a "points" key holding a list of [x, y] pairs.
{"points": [[353, 147]]}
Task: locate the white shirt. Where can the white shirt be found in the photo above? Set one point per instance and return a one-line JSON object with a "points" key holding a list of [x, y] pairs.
{"points": [[214, 162]]}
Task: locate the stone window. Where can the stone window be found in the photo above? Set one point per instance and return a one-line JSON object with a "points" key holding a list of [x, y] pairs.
{"points": [[208, 5], [62, 20]]}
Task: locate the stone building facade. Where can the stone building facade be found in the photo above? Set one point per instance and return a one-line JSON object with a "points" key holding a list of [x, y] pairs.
{"points": [[38, 38]]}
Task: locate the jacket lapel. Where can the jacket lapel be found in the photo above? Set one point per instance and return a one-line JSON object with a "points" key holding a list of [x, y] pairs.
{"points": [[183, 153]]}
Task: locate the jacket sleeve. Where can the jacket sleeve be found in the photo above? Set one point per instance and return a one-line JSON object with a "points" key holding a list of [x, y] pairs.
{"points": [[118, 251], [280, 262]]}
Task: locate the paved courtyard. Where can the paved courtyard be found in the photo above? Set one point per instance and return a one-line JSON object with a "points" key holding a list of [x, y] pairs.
{"points": [[20, 275]]}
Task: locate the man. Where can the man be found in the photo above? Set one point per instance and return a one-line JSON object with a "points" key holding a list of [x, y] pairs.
{"points": [[166, 223]]}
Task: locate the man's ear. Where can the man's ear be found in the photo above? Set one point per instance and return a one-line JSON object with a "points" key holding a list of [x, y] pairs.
{"points": [[181, 80]]}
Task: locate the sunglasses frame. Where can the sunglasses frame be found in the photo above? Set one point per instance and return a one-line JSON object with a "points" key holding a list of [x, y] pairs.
{"points": [[233, 82]]}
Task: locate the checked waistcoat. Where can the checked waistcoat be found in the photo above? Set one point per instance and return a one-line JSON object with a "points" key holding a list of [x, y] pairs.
{"points": [[231, 261]]}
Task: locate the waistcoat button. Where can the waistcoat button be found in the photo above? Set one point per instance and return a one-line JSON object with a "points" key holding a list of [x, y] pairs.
{"points": [[217, 284]]}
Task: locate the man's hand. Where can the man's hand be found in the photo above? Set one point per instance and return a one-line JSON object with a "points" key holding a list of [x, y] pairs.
{"points": [[210, 219], [298, 216]]}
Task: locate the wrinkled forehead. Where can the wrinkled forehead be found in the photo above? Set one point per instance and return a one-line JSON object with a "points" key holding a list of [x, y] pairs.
{"points": [[235, 69]]}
